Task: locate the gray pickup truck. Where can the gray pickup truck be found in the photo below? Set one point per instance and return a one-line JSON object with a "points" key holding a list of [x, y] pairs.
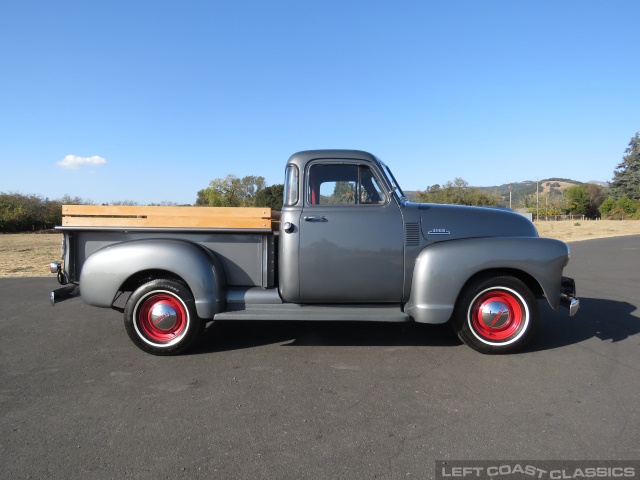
{"points": [[347, 247]]}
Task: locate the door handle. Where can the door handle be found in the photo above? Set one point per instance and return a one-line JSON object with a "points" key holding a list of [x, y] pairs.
{"points": [[315, 219]]}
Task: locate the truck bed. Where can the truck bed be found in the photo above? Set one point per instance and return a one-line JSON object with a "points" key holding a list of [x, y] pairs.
{"points": [[243, 239]]}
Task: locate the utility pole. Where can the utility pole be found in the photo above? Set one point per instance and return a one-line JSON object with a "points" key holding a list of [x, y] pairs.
{"points": [[537, 200], [510, 190]]}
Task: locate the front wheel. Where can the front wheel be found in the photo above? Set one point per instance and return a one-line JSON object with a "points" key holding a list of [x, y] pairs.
{"points": [[160, 317], [496, 315]]}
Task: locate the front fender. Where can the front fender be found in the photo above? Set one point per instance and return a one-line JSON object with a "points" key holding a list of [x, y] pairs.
{"points": [[106, 270], [442, 269]]}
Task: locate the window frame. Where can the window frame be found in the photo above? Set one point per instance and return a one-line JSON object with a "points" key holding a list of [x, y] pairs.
{"points": [[360, 165], [289, 188]]}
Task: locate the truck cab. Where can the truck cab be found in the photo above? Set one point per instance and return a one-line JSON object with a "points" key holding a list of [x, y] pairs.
{"points": [[341, 238]]}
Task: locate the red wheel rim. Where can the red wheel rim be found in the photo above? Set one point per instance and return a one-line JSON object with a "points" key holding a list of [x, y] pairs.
{"points": [[497, 315], [162, 318]]}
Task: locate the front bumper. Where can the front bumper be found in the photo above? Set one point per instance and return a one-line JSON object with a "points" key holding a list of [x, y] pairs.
{"points": [[568, 297]]}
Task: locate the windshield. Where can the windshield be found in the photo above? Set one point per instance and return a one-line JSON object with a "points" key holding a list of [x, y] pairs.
{"points": [[394, 183]]}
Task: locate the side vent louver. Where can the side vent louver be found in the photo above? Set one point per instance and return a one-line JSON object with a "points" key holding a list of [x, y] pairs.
{"points": [[412, 234]]}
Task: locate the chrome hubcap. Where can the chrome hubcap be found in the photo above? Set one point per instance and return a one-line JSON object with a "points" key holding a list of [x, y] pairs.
{"points": [[495, 314], [163, 316]]}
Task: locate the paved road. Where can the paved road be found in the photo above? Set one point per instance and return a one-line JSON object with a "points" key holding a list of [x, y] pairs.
{"points": [[278, 400]]}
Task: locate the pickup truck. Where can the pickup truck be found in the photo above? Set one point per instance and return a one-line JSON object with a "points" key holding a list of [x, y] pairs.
{"points": [[347, 246]]}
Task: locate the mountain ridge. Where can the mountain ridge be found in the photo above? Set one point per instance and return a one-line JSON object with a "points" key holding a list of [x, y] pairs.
{"points": [[548, 186]]}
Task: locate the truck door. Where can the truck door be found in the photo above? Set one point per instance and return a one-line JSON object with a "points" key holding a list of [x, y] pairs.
{"points": [[351, 237]]}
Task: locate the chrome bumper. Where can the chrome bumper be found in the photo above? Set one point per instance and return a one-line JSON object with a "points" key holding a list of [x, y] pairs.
{"points": [[67, 291], [63, 293], [568, 297]]}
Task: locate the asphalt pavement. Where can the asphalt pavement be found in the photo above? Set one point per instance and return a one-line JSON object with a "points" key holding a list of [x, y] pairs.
{"points": [[310, 400]]}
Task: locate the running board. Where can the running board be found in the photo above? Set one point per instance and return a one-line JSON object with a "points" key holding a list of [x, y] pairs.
{"points": [[317, 313]]}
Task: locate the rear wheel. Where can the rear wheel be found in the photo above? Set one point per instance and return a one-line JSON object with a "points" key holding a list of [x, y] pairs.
{"points": [[496, 315], [160, 317]]}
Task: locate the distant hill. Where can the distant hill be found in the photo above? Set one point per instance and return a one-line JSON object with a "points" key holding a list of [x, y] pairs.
{"points": [[598, 182], [548, 186]]}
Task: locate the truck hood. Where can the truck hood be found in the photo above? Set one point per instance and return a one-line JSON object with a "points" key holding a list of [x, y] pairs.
{"points": [[450, 222]]}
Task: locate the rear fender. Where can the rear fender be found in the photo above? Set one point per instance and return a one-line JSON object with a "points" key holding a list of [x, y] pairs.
{"points": [[107, 270], [442, 269]]}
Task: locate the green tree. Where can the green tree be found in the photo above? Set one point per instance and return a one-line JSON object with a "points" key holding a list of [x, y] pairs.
{"points": [[210, 197], [607, 207], [21, 213], [231, 191], [597, 195], [123, 203], [343, 193], [584, 199], [69, 200], [627, 206], [167, 203], [626, 177], [621, 209], [458, 192], [577, 200], [270, 197], [552, 203]]}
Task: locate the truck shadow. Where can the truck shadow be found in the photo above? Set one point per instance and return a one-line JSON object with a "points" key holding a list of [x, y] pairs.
{"points": [[223, 336], [605, 319]]}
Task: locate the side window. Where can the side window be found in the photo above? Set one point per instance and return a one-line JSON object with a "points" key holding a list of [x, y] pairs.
{"points": [[290, 185], [370, 190], [333, 184], [343, 185]]}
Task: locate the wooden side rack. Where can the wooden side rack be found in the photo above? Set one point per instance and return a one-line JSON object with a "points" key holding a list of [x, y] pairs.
{"points": [[254, 218]]}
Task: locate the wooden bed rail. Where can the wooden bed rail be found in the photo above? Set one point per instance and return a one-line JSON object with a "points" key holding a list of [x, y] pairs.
{"points": [[255, 218]]}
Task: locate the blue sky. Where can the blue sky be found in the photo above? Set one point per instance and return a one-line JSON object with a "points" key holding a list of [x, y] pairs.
{"points": [[149, 101]]}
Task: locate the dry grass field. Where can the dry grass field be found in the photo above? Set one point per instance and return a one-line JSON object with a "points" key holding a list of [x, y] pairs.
{"points": [[28, 255], [573, 231]]}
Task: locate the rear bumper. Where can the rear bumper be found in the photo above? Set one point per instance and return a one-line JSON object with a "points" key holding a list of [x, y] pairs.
{"points": [[568, 297], [62, 293], [67, 291]]}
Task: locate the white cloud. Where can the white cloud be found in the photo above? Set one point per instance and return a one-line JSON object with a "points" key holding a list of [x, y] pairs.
{"points": [[73, 161]]}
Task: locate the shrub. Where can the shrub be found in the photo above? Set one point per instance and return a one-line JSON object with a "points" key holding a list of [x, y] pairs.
{"points": [[622, 209]]}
